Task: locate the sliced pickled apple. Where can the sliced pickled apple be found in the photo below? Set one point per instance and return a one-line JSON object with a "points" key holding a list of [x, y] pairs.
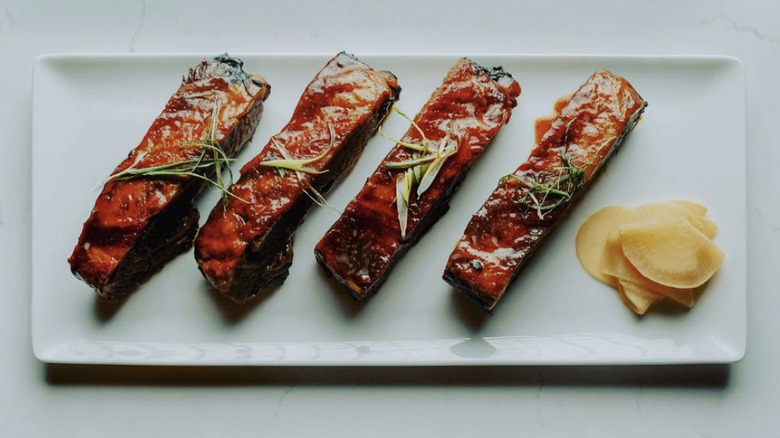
{"points": [[686, 297], [591, 238], [613, 263], [692, 206], [636, 297], [681, 231], [618, 268], [659, 211], [708, 227], [672, 253]]}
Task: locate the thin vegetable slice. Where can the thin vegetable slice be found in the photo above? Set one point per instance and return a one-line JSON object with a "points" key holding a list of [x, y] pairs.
{"points": [[592, 239], [673, 253], [636, 297]]}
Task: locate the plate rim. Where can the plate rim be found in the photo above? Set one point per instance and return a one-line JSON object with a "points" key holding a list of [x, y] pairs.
{"points": [[48, 355]]}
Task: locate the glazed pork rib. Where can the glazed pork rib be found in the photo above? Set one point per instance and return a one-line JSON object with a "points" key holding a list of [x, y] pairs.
{"points": [[454, 127], [245, 246], [139, 223], [526, 206]]}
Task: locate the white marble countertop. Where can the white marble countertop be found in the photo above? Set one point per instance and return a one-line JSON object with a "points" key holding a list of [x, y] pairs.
{"points": [[677, 401]]}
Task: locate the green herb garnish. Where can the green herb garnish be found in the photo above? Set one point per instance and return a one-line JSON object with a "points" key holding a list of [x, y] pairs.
{"points": [[403, 189], [546, 197], [299, 167], [433, 169], [414, 162], [421, 169], [212, 156]]}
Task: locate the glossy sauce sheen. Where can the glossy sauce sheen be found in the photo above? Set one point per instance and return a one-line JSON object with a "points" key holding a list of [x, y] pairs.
{"points": [[346, 94], [503, 234], [364, 243], [125, 208]]}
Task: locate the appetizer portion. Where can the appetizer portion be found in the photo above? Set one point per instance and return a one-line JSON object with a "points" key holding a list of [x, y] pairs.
{"points": [[651, 252], [412, 186], [144, 215], [245, 246], [570, 148]]}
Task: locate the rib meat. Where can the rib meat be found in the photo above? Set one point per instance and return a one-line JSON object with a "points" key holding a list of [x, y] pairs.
{"points": [[526, 206], [139, 224], [360, 249], [245, 246]]}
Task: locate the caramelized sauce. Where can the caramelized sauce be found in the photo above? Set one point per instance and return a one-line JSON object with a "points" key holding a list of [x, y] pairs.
{"points": [[340, 99], [125, 208], [362, 245], [587, 126]]}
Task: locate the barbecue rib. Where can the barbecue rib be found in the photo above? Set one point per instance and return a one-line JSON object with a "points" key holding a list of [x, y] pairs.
{"points": [[140, 223], [245, 246], [570, 149], [459, 121]]}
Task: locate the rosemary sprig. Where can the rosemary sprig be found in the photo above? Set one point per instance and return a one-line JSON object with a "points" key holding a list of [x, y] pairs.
{"points": [[211, 156]]}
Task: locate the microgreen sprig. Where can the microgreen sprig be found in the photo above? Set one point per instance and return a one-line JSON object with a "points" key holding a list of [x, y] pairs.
{"points": [[546, 197]]}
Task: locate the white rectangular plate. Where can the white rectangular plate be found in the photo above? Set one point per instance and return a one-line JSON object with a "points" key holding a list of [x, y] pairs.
{"points": [[90, 110]]}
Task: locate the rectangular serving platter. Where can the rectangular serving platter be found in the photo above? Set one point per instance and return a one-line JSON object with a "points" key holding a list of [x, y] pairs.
{"points": [[90, 110]]}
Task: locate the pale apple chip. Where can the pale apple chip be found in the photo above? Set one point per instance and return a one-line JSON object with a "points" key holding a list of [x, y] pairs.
{"points": [[619, 269], [708, 227], [591, 241], [686, 297], [636, 297], [651, 252], [673, 253], [692, 206], [661, 211]]}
